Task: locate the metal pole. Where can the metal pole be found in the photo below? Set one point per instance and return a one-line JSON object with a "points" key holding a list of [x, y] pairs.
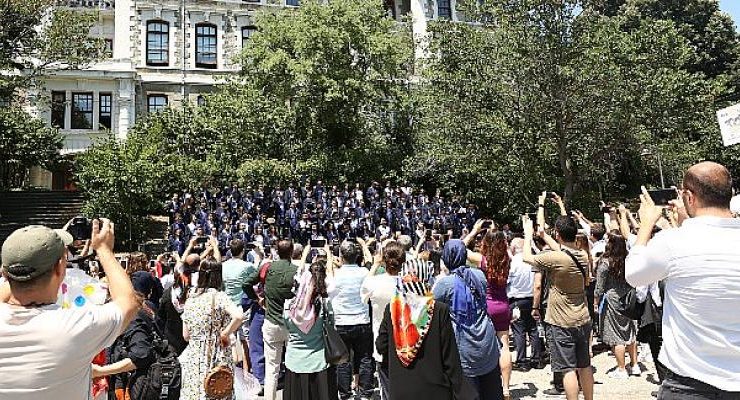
{"points": [[660, 169]]}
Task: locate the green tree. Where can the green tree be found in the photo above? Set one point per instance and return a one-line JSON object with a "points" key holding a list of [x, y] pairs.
{"points": [[552, 96], [36, 37], [710, 32], [329, 76], [24, 142]]}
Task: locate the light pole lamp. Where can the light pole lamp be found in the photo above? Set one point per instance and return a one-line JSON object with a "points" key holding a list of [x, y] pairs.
{"points": [[647, 153]]}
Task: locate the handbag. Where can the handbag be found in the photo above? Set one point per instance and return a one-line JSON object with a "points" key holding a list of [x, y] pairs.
{"points": [[219, 380], [335, 351]]}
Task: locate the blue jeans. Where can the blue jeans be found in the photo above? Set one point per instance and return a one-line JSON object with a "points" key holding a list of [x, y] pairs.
{"points": [[256, 345], [359, 341], [676, 387]]}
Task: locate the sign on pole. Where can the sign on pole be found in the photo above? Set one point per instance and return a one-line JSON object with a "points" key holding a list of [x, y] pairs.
{"points": [[729, 124]]}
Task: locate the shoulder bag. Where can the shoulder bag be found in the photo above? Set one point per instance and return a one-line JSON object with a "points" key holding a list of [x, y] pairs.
{"points": [[219, 380], [335, 351]]}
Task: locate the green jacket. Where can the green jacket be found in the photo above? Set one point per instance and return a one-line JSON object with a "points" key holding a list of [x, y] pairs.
{"points": [[278, 288]]}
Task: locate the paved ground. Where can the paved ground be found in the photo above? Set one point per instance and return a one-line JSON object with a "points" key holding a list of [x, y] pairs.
{"points": [[530, 385]]}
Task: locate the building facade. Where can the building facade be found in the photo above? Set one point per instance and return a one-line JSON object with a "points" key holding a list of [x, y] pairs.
{"points": [[159, 54]]}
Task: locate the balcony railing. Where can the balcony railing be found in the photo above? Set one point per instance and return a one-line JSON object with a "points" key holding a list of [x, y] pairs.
{"points": [[89, 4]]}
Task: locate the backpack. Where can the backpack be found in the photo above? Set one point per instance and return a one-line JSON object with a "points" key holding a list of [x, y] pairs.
{"points": [[630, 307], [261, 286], [163, 379]]}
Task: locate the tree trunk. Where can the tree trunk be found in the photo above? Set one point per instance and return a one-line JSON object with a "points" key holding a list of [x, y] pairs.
{"points": [[565, 163]]}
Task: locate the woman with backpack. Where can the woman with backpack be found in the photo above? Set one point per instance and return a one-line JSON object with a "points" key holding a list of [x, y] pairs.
{"points": [[136, 350], [464, 290], [617, 329], [209, 319]]}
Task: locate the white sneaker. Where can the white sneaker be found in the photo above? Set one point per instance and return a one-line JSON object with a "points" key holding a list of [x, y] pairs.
{"points": [[618, 374], [634, 370]]}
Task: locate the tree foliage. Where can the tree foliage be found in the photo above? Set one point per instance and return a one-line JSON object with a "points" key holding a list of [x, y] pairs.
{"points": [[36, 37], [24, 142], [553, 96]]}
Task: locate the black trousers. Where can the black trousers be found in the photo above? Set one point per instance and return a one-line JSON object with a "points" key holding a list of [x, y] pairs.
{"points": [[359, 341], [655, 341], [525, 327], [676, 387]]}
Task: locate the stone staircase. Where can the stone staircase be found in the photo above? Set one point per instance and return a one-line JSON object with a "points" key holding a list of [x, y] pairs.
{"points": [[50, 208]]}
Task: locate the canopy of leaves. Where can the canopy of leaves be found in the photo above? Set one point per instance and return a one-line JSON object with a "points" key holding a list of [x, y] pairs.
{"points": [[36, 37], [24, 142], [553, 96]]}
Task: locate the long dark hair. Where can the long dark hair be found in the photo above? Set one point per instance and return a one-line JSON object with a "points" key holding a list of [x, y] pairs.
{"points": [[183, 281], [318, 274], [616, 253], [209, 275], [495, 250]]}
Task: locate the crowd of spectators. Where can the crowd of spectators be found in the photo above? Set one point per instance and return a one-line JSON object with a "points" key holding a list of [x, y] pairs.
{"points": [[305, 211]]}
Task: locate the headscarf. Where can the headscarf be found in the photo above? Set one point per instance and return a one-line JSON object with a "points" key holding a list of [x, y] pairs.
{"points": [[301, 311], [469, 292], [412, 307]]}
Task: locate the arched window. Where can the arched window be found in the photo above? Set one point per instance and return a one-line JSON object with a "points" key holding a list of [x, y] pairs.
{"points": [[157, 43], [206, 50]]}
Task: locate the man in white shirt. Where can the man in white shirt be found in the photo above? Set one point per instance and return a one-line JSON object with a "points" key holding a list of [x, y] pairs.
{"points": [[700, 264], [46, 351], [352, 319], [519, 289]]}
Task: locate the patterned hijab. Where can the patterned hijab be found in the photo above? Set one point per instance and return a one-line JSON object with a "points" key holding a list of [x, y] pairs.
{"points": [[412, 308]]}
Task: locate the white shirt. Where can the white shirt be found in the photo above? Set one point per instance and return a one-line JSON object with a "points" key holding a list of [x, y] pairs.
{"points": [[46, 352], [344, 293], [700, 263], [379, 290], [521, 279]]}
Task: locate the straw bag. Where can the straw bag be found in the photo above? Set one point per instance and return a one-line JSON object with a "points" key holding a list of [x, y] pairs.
{"points": [[219, 380]]}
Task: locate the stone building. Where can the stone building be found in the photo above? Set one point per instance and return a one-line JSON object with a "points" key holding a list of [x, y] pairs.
{"points": [[161, 52]]}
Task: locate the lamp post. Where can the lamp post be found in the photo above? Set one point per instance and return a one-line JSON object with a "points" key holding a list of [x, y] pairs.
{"points": [[647, 153]]}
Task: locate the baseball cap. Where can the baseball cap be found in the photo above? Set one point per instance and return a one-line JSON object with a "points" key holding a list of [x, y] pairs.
{"points": [[32, 251]]}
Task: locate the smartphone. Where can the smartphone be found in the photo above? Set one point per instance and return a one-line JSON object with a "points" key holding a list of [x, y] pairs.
{"points": [[661, 197], [201, 240], [318, 243], [532, 216], [124, 263], [152, 264], [486, 224]]}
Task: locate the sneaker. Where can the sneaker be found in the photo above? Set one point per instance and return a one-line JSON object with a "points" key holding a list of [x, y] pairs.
{"points": [[618, 374], [553, 392], [634, 370]]}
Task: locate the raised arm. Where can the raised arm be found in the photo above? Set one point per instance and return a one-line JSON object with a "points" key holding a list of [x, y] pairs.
{"points": [[561, 204], [121, 291], [624, 228]]}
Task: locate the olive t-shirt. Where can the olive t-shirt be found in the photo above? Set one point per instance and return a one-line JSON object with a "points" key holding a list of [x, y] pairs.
{"points": [[566, 305]]}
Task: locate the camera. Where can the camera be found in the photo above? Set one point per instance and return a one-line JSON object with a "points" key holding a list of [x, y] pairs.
{"points": [[80, 228]]}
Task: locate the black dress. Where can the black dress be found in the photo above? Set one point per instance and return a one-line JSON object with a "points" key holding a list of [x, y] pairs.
{"points": [[436, 373]]}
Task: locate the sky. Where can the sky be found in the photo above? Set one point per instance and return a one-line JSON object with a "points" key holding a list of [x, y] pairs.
{"points": [[732, 7]]}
